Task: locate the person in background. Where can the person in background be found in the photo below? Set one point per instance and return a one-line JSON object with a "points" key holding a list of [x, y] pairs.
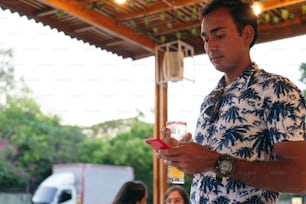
{"points": [[132, 192], [249, 142], [176, 195]]}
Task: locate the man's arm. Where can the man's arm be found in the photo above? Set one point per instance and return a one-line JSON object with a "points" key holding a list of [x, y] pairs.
{"points": [[287, 174]]}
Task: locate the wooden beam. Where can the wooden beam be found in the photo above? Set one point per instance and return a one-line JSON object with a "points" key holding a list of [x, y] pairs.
{"points": [[46, 12], [165, 6], [163, 30], [273, 4], [280, 31], [103, 22], [162, 6], [160, 184], [80, 30], [116, 43]]}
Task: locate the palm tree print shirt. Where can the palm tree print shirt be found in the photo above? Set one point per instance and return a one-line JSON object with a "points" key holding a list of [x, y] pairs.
{"points": [[244, 120]]}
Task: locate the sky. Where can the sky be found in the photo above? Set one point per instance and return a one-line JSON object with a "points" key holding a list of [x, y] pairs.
{"points": [[85, 85]]}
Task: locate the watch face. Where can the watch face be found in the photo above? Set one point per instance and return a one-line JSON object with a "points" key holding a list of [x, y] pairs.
{"points": [[225, 166]]}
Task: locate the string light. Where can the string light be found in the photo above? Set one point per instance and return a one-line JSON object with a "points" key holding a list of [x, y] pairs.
{"points": [[256, 8], [120, 1]]}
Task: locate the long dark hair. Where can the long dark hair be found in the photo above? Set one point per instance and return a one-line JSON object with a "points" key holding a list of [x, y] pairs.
{"points": [[130, 192], [180, 190]]}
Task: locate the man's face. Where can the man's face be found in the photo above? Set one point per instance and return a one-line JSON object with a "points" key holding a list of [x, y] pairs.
{"points": [[225, 46]]}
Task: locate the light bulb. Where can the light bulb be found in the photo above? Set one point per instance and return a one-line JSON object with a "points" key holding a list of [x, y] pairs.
{"points": [[120, 1], [257, 9]]}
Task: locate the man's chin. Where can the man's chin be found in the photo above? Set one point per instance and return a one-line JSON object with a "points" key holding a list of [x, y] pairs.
{"points": [[219, 67]]}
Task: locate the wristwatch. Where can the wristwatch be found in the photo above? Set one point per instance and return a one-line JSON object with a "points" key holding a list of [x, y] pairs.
{"points": [[224, 167]]}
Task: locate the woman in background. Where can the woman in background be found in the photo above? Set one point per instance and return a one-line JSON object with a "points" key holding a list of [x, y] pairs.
{"points": [[176, 195], [132, 192]]}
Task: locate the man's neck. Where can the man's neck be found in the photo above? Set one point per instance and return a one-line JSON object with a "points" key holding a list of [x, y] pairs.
{"points": [[232, 76]]}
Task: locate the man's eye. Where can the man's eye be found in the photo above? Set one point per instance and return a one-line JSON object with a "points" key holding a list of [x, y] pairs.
{"points": [[220, 36]]}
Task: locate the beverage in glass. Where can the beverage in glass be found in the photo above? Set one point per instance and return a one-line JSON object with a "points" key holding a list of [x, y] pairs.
{"points": [[178, 131]]}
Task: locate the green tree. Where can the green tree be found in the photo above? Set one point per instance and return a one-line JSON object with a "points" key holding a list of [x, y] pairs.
{"points": [[7, 79], [39, 141], [127, 148], [30, 142]]}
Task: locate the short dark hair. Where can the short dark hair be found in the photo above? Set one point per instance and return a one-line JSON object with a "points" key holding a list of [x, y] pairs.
{"points": [[180, 190], [241, 12]]}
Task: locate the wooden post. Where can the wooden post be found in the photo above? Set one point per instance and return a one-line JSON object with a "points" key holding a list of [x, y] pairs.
{"points": [[160, 184]]}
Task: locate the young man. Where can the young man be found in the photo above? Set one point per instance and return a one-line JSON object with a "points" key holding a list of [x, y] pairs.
{"points": [[250, 136]]}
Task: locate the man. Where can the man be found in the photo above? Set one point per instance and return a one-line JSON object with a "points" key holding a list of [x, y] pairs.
{"points": [[250, 136]]}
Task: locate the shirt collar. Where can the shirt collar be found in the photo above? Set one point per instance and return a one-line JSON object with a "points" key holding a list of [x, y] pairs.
{"points": [[243, 81]]}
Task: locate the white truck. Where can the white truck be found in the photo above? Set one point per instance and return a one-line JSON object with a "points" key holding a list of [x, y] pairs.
{"points": [[82, 184]]}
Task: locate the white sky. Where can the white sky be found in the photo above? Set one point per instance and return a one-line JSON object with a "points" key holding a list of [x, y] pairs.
{"points": [[85, 85]]}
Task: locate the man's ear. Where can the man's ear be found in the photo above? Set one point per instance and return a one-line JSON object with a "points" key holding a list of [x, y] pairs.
{"points": [[248, 34]]}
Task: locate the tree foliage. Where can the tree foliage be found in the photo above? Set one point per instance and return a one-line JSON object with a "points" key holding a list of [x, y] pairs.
{"points": [[34, 142], [30, 142], [127, 148], [7, 79]]}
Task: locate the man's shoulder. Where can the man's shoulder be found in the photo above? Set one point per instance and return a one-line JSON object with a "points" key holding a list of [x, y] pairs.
{"points": [[270, 84], [269, 77]]}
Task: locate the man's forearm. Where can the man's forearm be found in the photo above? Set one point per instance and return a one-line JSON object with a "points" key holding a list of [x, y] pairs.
{"points": [[277, 176]]}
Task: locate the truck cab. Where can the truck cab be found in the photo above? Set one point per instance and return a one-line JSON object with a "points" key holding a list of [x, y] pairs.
{"points": [[56, 189]]}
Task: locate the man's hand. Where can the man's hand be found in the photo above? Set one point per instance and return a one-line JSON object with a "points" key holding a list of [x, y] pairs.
{"points": [[166, 137], [189, 157]]}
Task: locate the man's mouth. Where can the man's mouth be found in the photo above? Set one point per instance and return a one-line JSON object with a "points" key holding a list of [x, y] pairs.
{"points": [[215, 59]]}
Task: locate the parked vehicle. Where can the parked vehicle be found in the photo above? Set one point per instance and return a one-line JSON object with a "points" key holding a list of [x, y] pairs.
{"points": [[82, 184]]}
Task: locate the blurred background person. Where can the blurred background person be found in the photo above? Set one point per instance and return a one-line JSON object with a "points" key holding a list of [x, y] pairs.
{"points": [[176, 195], [132, 192]]}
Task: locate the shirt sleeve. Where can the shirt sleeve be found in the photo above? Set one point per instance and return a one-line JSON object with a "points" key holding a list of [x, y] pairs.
{"points": [[285, 111]]}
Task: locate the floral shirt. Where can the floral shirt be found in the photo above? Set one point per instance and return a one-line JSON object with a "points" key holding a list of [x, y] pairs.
{"points": [[256, 111]]}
